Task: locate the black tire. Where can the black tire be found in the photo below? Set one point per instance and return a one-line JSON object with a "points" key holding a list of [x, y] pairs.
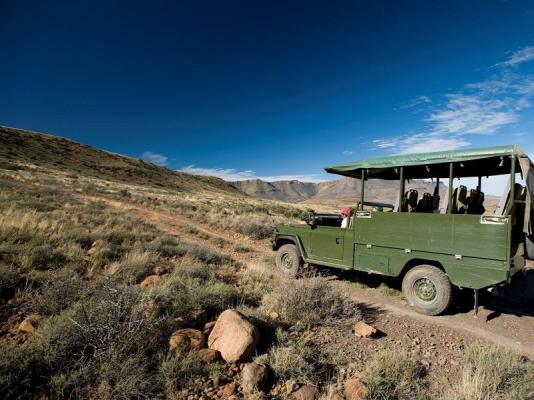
{"points": [[529, 247], [427, 289], [288, 260]]}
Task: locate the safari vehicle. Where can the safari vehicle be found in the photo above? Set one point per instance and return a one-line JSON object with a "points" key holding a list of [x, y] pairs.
{"points": [[432, 244]]}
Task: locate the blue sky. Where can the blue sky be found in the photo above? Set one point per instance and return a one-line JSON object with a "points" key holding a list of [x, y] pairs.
{"points": [[273, 89]]}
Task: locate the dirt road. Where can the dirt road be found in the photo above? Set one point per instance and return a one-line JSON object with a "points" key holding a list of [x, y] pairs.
{"points": [[500, 320]]}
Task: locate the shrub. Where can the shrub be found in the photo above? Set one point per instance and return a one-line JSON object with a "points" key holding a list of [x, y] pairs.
{"points": [[190, 287], [392, 374], [181, 370], [59, 292], [208, 256], [8, 281], [310, 301], [255, 229], [43, 256], [168, 246], [491, 372], [242, 249], [292, 358], [133, 267]]}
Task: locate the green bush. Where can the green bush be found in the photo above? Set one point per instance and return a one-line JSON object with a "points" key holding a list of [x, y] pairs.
{"points": [[59, 292], [182, 369], [311, 301], [391, 374], [292, 358], [493, 372]]}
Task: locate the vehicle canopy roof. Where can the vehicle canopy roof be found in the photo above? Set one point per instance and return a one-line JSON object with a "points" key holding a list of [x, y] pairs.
{"points": [[487, 161]]}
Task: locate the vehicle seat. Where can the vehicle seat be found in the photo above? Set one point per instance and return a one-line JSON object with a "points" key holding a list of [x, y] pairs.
{"points": [[475, 202], [425, 203], [409, 201], [459, 201]]}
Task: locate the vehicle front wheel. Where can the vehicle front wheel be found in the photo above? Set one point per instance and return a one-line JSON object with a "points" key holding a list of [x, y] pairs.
{"points": [[288, 260], [427, 289]]}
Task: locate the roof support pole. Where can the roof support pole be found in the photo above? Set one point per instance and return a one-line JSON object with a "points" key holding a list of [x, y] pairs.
{"points": [[509, 210], [451, 177], [362, 190], [479, 184], [401, 189]]}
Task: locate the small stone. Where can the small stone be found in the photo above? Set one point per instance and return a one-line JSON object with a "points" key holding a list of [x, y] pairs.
{"points": [[29, 324], [290, 387], [363, 330], [254, 377], [229, 389], [306, 392], [274, 316], [150, 280], [186, 339], [355, 389], [208, 355]]}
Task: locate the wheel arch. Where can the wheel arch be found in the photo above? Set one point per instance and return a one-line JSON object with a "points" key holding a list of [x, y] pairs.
{"points": [[281, 240], [414, 262]]}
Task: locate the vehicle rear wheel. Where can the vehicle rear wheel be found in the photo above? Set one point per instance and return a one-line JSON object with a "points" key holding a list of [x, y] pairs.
{"points": [[427, 289], [288, 260]]}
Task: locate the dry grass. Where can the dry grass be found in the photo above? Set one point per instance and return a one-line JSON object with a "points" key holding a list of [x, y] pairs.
{"points": [[310, 301]]}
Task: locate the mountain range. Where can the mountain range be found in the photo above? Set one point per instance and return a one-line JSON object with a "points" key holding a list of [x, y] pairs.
{"points": [[344, 189]]}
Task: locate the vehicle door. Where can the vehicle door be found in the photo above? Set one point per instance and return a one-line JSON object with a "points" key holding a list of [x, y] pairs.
{"points": [[327, 243]]}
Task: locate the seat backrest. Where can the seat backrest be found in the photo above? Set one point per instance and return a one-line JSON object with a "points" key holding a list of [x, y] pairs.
{"points": [[425, 203], [475, 202], [459, 195], [409, 200]]}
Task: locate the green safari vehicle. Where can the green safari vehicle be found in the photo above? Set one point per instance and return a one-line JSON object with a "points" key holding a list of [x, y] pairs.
{"points": [[433, 244]]}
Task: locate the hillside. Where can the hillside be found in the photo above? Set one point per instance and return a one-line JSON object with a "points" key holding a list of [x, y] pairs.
{"points": [[26, 150]]}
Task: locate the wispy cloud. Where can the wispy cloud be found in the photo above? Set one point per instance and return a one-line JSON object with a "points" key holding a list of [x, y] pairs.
{"points": [[520, 56], [347, 152], [230, 174], [416, 102], [479, 108], [154, 158]]}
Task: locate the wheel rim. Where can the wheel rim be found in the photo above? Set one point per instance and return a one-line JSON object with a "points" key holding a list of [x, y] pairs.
{"points": [[287, 261], [424, 289]]}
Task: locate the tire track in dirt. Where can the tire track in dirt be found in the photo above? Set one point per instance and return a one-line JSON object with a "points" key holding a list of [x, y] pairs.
{"points": [[507, 330]]}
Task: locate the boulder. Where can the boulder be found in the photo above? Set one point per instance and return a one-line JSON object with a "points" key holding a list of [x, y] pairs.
{"points": [[254, 377], [306, 392], [355, 389], [361, 329], [30, 323], [208, 355], [233, 336], [186, 339], [150, 280]]}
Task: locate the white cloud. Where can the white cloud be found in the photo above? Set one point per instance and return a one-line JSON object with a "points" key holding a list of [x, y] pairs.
{"points": [[520, 56], [231, 174], [417, 101], [154, 158], [348, 152], [480, 108], [421, 143]]}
